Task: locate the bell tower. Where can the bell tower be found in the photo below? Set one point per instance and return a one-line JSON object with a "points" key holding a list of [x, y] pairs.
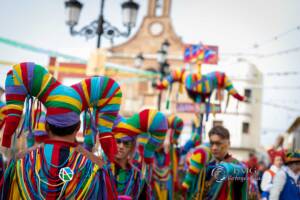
{"points": [[159, 8], [155, 28]]}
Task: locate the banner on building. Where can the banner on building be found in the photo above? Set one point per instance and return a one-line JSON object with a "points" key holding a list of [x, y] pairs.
{"points": [[208, 54], [198, 108]]}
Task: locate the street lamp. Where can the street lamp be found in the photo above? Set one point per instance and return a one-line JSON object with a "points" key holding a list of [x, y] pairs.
{"points": [[139, 60], [165, 45], [101, 26], [164, 67]]}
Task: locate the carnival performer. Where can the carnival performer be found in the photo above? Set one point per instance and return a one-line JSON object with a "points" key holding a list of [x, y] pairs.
{"points": [[101, 98], [268, 175], [166, 160], [60, 168], [132, 168], [226, 177], [286, 184]]}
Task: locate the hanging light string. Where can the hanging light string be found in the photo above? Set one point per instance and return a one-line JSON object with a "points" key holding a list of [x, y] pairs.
{"points": [[285, 101], [258, 45], [280, 53], [286, 73], [275, 38], [260, 56], [274, 87], [278, 106]]}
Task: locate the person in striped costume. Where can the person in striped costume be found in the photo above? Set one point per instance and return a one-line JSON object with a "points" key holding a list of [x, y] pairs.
{"points": [[60, 168], [226, 177], [166, 161], [213, 173], [132, 167]]}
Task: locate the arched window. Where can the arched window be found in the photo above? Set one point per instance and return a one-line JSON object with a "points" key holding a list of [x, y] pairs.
{"points": [[159, 8]]}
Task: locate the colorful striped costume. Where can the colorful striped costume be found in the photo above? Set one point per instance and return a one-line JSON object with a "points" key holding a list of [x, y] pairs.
{"points": [[151, 127], [200, 87], [232, 180], [129, 181], [165, 163], [2, 114], [28, 80], [56, 169], [162, 179], [193, 141], [193, 183], [35, 175], [176, 125], [103, 95], [39, 133]]}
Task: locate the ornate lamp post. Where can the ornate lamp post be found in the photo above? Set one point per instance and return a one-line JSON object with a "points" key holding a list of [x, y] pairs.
{"points": [[164, 68], [139, 60], [101, 26]]}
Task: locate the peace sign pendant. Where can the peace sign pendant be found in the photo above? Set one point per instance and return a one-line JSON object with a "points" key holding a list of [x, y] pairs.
{"points": [[66, 174]]}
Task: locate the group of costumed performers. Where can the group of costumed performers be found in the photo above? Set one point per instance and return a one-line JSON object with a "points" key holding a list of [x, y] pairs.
{"points": [[139, 155]]}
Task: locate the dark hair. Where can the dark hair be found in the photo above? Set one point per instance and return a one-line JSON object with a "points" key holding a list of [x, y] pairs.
{"points": [[220, 131], [63, 131]]}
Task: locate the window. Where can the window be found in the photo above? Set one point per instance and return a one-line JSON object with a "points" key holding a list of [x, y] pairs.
{"points": [[217, 123], [159, 5], [246, 127], [248, 95]]}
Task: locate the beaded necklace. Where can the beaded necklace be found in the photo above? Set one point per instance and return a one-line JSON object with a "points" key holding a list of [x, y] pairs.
{"points": [[33, 175], [45, 163]]}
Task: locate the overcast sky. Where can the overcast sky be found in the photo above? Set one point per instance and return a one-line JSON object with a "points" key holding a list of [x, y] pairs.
{"points": [[234, 25]]}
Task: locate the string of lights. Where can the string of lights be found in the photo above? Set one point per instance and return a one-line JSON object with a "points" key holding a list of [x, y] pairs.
{"points": [[285, 101], [286, 73], [275, 87], [258, 45], [280, 53], [275, 38], [260, 56], [278, 106]]}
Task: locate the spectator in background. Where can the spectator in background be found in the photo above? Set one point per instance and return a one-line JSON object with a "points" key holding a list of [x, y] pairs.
{"points": [[268, 176], [286, 184], [252, 165], [262, 167]]}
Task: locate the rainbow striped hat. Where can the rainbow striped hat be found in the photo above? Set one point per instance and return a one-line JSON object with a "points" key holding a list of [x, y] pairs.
{"points": [[149, 125], [28, 80]]}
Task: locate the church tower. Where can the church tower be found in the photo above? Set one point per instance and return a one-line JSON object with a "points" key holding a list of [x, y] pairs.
{"points": [[155, 28]]}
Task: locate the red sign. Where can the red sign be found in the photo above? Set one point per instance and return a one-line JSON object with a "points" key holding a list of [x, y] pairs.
{"points": [[198, 108]]}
